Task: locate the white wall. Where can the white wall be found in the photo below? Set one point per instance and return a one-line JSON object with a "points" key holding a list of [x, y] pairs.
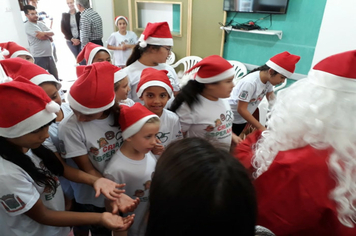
{"points": [[12, 28], [105, 8], [337, 31]]}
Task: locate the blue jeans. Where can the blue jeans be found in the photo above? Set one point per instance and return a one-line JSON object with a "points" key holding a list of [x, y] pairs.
{"points": [[48, 64], [74, 49]]}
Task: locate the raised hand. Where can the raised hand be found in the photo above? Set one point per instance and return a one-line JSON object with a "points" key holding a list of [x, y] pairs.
{"points": [[108, 188], [124, 204]]}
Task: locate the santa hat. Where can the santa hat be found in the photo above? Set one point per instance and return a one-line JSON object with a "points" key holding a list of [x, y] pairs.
{"points": [[12, 49], [15, 67], [156, 34], [119, 75], [121, 17], [26, 109], [283, 63], [336, 72], [133, 118], [152, 77], [89, 51], [93, 91], [213, 69]]}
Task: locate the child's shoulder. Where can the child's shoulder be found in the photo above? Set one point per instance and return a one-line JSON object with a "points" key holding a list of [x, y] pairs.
{"points": [[68, 122], [169, 115]]}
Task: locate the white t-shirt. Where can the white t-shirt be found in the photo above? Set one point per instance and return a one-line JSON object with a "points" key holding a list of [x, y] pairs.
{"points": [[97, 138], [170, 128], [117, 40], [137, 175], [128, 101], [208, 119], [249, 89], [18, 194], [134, 73]]}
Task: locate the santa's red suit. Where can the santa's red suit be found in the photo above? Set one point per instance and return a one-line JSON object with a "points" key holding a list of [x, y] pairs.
{"points": [[293, 195]]}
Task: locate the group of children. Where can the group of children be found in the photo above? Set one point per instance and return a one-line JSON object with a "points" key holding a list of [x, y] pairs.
{"points": [[112, 131]]}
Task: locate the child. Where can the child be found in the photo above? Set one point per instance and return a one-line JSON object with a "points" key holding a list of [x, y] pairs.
{"points": [[15, 50], [31, 198], [134, 164], [94, 53], [90, 136], [155, 45], [250, 91], [122, 41], [198, 189], [200, 106], [155, 89], [122, 88]]}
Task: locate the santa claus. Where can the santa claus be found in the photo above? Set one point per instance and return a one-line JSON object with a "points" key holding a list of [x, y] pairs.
{"points": [[304, 164]]}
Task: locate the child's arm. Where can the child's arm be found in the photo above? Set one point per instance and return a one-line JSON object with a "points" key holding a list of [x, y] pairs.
{"points": [[41, 214], [242, 110]]}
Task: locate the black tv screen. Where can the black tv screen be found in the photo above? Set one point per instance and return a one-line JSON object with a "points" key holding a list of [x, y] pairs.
{"points": [[257, 6]]}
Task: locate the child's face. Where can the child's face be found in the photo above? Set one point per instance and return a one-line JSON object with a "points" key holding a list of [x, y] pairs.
{"points": [[52, 92], [101, 56], [222, 89], [86, 118], [145, 140], [122, 90], [31, 140], [276, 79], [155, 99], [161, 54], [27, 58], [121, 25]]}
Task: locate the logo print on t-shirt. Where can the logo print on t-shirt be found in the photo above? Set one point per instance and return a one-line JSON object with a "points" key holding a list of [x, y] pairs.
{"points": [[109, 135], [12, 203], [162, 136], [102, 142], [209, 128], [141, 193], [243, 94], [94, 150], [218, 122]]}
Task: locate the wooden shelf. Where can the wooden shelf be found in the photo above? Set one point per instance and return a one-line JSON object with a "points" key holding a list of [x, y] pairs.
{"points": [[278, 33]]}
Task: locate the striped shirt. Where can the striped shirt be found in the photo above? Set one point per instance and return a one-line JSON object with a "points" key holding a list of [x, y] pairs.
{"points": [[91, 26]]}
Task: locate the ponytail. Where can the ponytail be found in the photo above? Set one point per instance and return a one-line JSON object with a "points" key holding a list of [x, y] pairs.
{"points": [[262, 68], [115, 110], [137, 52], [188, 94], [42, 177]]}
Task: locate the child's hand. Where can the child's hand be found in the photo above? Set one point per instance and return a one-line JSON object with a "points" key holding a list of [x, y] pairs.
{"points": [[108, 188], [124, 204], [115, 222], [235, 139], [158, 149]]}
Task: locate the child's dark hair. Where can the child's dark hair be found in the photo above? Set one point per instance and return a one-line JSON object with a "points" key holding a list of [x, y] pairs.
{"points": [[262, 68], [137, 51], [198, 189], [27, 8], [188, 94], [115, 110], [42, 177]]}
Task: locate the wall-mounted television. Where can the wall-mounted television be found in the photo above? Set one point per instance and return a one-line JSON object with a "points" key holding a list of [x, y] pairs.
{"points": [[257, 6]]}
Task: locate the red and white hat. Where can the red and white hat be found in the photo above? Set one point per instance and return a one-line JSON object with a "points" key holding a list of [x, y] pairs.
{"points": [[336, 72], [119, 75], [12, 49], [152, 77], [26, 109], [156, 34], [93, 91], [133, 118], [89, 51], [15, 67], [213, 69], [283, 63], [121, 17]]}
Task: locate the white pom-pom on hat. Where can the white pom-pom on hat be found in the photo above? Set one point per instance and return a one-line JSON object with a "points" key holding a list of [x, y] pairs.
{"points": [[52, 107], [5, 52]]}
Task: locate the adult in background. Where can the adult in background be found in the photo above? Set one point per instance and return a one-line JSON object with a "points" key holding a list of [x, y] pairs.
{"points": [[305, 162], [39, 38], [70, 28], [91, 25]]}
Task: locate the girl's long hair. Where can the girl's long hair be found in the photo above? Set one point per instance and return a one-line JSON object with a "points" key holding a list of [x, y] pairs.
{"points": [[137, 52], [188, 94], [41, 176]]}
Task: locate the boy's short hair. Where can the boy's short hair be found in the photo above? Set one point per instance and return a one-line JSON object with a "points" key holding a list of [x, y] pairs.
{"points": [[27, 8]]}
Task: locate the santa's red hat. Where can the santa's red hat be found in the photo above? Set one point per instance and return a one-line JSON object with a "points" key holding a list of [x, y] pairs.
{"points": [[15, 67], [119, 75], [133, 118], [12, 49], [26, 109], [89, 51], [336, 72], [152, 77], [93, 91], [121, 17], [156, 34], [284, 63], [213, 69]]}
